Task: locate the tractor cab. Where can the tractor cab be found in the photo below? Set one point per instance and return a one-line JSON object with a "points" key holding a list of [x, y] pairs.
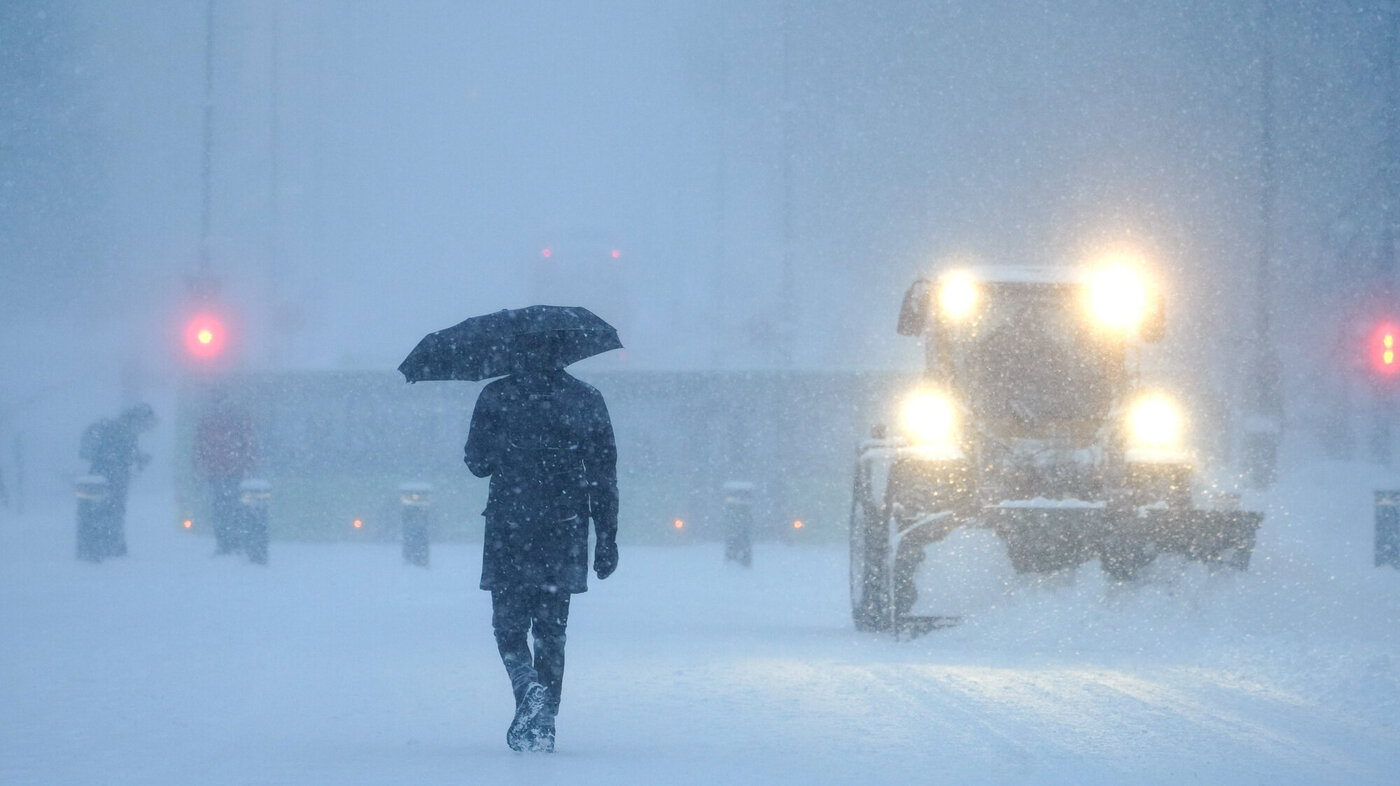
{"points": [[1033, 352], [1030, 421]]}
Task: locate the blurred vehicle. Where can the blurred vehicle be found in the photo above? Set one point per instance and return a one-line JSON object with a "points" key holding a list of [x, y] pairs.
{"points": [[1031, 422], [336, 446]]}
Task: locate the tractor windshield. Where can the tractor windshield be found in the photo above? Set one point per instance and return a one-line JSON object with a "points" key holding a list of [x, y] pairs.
{"points": [[1032, 362]]}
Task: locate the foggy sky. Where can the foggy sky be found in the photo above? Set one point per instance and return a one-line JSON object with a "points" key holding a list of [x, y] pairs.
{"points": [[382, 170]]}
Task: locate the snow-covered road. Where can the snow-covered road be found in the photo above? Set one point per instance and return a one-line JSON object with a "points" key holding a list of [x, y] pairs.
{"points": [[339, 665]]}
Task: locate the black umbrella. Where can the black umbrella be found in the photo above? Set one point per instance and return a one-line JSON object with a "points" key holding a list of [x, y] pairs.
{"points": [[510, 341]]}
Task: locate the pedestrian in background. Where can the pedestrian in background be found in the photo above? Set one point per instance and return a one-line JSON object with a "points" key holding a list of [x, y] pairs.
{"points": [[110, 446], [225, 452]]}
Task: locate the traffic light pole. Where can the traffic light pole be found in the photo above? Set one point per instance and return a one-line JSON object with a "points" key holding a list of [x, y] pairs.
{"points": [[206, 169], [204, 332]]}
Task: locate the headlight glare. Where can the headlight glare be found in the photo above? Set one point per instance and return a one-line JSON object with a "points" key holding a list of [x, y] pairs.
{"points": [[1118, 298], [957, 296], [929, 418], [1155, 421]]}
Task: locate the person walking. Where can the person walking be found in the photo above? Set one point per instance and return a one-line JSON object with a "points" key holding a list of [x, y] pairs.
{"points": [[110, 446], [225, 452], [546, 441]]}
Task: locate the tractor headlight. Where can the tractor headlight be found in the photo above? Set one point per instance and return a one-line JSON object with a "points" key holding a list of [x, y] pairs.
{"points": [[957, 296], [1118, 298], [1155, 422], [929, 418]]}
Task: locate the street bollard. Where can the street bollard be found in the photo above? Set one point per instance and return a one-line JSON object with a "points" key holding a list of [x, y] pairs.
{"points": [[255, 496], [738, 522], [1388, 528], [416, 506]]}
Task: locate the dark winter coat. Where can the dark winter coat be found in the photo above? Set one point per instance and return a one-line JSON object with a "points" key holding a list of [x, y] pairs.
{"points": [[111, 449], [225, 444], [546, 440]]}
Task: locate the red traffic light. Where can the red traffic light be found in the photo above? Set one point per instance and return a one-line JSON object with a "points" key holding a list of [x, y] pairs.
{"points": [[205, 336], [1385, 350]]}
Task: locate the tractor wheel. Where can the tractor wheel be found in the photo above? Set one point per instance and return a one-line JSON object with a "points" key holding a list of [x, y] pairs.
{"points": [[923, 502], [870, 565]]}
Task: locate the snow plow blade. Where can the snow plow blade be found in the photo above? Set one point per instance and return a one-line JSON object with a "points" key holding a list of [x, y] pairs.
{"points": [[1207, 535], [1044, 539]]}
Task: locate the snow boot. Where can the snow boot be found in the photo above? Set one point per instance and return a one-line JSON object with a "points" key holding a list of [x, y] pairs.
{"points": [[520, 731], [540, 736]]}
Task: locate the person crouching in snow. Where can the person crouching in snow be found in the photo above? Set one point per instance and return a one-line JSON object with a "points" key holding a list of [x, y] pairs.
{"points": [[546, 441]]}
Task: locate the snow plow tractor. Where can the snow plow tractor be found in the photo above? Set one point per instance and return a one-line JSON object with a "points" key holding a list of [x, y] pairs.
{"points": [[1031, 422]]}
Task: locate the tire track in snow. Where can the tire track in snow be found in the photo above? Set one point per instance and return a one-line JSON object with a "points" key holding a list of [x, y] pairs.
{"points": [[875, 714], [1083, 712], [1260, 731]]}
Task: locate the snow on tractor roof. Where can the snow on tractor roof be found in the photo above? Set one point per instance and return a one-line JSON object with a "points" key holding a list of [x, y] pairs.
{"points": [[1016, 274]]}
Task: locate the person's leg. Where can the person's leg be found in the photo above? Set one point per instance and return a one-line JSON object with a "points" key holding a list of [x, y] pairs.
{"points": [[510, 620], [550, 617]]}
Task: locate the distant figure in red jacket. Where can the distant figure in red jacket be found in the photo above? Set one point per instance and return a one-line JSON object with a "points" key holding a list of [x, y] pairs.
{"points": [[225, 453]]}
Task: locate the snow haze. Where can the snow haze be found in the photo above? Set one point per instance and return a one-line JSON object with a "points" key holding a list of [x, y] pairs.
{"points": [[378, 170], [742, 188]]}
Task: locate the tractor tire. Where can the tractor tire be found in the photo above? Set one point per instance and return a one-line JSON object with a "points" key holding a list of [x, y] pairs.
{"points": [[923, 503], [871, 605]]}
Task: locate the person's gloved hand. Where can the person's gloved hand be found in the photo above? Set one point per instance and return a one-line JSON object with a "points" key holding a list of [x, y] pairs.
{"points": [[605, 558]]}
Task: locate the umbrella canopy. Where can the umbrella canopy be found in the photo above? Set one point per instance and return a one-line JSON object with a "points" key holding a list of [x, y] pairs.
{"points": [[510, 341]]}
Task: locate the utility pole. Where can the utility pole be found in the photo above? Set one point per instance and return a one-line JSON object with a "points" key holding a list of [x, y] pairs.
{"points": [[274, 309], [1382, 418], [719, 269], [787, 297], [1263, 423]]}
